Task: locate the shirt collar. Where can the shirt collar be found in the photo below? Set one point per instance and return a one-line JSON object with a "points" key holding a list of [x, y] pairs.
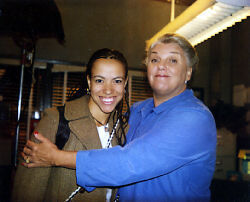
{"points": [[148, 107], [165, 105], [171, 102]]}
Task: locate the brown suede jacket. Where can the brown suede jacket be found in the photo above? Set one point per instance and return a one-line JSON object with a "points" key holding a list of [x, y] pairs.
{"points": [[57, 183]]}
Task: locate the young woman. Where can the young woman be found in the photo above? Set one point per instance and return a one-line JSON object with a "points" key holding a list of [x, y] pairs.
{"points": [[171, 143], [92, 119]]}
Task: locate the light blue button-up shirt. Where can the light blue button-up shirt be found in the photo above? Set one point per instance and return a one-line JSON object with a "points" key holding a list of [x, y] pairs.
{"points": [[169, 156]]}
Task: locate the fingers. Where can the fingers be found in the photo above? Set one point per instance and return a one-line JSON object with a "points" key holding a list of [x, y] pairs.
{"points": [[40, 137], [27, 150], [38, 154], [32, 165], [27, 153], [23, 155], [28, 162], [26, 157], [27, 165]]}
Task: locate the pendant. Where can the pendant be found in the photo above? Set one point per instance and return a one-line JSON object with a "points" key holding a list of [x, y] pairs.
{"points": [[106, 128]]}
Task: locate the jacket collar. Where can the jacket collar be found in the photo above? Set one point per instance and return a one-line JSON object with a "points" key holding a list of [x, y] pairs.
{"points": [[77, 109], [82, 125]]}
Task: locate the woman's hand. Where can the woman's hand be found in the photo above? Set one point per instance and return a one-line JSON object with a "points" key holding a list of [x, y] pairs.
{"points": [[42, 154], [46, 154]]}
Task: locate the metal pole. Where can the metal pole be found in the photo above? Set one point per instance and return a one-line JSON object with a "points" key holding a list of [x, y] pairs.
{"points": [[19, 106], [30, 109], [172, 10], [65, 87]]}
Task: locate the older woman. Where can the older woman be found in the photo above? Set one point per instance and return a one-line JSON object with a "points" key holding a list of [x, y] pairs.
{"points": [[170, 150]]}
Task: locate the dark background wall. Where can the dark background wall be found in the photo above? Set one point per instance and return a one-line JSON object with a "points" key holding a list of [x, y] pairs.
{"points": [[225, 59], [126, 25], [92, 24]]}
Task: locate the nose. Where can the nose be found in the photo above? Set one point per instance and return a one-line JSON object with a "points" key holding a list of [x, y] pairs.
{"points": [[108, 88], [162, 65]]}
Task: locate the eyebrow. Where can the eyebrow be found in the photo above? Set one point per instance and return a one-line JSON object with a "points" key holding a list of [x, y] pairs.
{"points": [[97, 76], [173, 52], [118, 77]]}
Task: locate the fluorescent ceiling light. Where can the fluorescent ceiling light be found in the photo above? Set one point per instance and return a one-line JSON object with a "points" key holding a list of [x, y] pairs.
{"points": [[205, 18]]}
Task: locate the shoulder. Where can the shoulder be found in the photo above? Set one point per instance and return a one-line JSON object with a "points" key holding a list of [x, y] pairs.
{"points": [[191, 103], [51, 113], [48, 124], [193, 110], [77, 108], [76, 102], [189, 119]]}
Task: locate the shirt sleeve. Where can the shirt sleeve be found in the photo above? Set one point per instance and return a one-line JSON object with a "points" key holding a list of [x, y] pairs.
{"points": [[178, 138]]}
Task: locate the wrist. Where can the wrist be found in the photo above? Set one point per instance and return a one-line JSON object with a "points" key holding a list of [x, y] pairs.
{"points": [[64, 158], [56, 157]]}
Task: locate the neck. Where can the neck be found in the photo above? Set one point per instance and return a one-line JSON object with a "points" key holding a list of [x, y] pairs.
{"points": [[100, 117], [100, 122], [158, 99]]}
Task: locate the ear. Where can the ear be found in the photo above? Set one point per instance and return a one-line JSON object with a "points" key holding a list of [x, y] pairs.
{"points": [[89, 83], [189, 73]]}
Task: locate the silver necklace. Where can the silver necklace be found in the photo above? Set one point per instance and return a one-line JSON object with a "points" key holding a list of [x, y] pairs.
{"points": [[108, 146], [106, 128]]}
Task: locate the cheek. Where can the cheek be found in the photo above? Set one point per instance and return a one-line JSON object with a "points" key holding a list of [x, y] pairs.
{"points": [[94, 89], [150, 75], [149, 72], [176, 71], [183, 73], [120, 89]]}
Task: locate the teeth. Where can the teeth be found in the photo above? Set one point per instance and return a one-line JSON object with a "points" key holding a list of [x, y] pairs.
{"points": [[107, 99]]}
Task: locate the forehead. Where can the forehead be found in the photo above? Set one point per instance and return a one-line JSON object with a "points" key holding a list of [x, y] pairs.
{"points": [[166, 48], [108, 67]]}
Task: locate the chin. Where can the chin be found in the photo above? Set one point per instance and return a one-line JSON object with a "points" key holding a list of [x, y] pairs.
{"points": [[162, 90], [108, 110]]}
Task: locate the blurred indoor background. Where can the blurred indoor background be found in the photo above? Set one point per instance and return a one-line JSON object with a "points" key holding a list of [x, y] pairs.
{"points": [[45, 45]]}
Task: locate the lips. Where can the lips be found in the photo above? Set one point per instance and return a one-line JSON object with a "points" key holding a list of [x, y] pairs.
{"points": [[107, 101], [161, 75]]}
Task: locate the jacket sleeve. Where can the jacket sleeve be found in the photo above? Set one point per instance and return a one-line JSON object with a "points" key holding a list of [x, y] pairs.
{"points": [[30, 183], [176, 140]]}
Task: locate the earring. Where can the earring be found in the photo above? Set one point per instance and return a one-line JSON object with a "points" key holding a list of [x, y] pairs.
{"points": [[88, 91], [186, 82]]}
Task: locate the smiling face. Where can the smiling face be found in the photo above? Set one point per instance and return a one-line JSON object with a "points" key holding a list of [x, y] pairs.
{"points": [[167, 71], [107, 86]]}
